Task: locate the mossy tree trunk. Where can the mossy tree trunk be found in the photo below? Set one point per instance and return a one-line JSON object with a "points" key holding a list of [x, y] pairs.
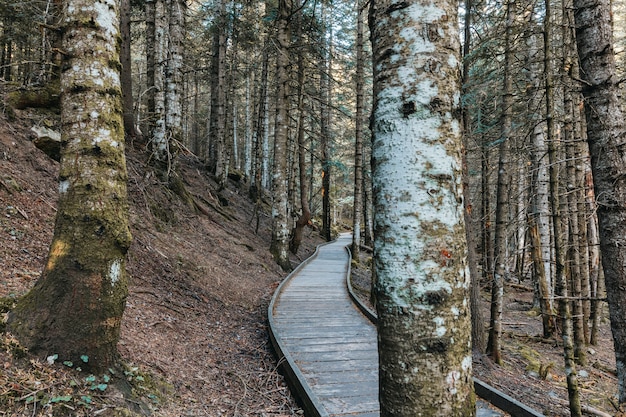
{"points": [[422, 288], [76, 306]]}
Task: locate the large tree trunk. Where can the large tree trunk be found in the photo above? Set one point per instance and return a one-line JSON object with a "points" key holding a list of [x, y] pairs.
{"points": [[76, 307], [606, 136], [422, 282]]}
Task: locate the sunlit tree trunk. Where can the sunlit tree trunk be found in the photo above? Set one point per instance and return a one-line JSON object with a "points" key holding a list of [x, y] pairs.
{"points": [[606, 136], [76, 306], [422, 282]]}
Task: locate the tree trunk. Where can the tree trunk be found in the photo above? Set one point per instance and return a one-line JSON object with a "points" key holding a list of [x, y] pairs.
{"points": [[478, 321], [305, 217], [159, 142], [502, 198], [558, 223], [75, 308], [422, 283], [325, 66], [539, 215], [280, 227], [126, 78], [357, 214], [174, 76], [606, 135]]}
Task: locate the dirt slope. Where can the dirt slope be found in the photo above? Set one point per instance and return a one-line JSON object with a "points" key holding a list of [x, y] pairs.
{"points": [[194, 331]]}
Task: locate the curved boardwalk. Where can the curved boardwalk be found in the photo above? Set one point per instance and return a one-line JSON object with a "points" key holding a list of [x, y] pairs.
{"points": [[328, 347]]}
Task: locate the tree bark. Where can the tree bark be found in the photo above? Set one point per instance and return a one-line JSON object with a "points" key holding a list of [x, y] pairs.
{"points": [[606, 136], [126, 77], [357, 215], [419, 251], [478, 320], [75, 308], [502, 198], [280, 228]]}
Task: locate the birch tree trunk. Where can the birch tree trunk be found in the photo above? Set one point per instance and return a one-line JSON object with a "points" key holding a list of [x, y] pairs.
{"points": [[606, 136], [76, 306], [422, 282]]}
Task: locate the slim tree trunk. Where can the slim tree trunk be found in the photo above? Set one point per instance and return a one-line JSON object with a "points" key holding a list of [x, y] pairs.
{"points": [[558, 223], [75, 308], [357, 214], [126, 78], [305, 216], [280, 227], [539, 215], [502, 205], [606, 135], [422, 283], [478, 321]]}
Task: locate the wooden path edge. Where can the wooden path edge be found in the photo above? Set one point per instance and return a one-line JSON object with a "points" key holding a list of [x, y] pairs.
{"points": [[485, 391], [295, 379]]}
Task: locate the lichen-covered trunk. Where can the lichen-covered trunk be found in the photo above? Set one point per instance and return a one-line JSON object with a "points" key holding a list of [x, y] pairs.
{"points": [[76, 306], [422, 281], [606, 136], [280, 226]]}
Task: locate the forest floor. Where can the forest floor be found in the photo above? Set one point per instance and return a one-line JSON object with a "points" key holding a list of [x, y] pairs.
{"points": [[194, 334]]}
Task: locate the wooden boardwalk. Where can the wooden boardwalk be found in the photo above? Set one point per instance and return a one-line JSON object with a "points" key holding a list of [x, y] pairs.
{"points": [[328, 347]]}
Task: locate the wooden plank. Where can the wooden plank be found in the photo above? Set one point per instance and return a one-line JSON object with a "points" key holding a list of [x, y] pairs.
{"points": [[336, 405], [349, 388], [338, 377]]}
